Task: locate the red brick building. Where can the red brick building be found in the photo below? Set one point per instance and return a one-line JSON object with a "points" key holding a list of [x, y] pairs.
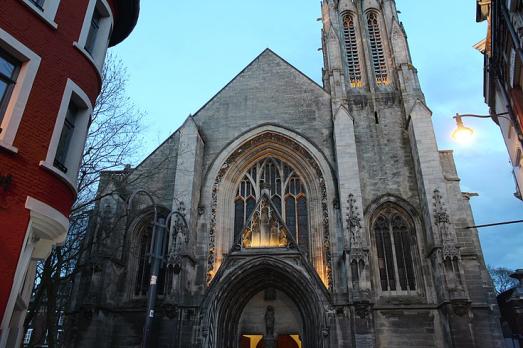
{"points": [[51, 57]]}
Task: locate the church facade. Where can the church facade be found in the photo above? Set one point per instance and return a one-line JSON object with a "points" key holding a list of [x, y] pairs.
{"points": [[316, 216]]}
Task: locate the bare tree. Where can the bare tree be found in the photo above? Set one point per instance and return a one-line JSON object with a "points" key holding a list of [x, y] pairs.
{"points": [[112, 140], [501, 279]]}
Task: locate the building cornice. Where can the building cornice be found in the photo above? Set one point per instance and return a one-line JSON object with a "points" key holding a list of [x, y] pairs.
{"points": [[125, 21]]}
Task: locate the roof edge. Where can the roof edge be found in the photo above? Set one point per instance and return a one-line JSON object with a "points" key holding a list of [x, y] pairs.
{"points": [[128, 12]]}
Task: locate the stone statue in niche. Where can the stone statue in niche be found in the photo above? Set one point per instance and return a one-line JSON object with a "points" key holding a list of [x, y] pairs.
{"points": [[269, 340], [269, 322]]}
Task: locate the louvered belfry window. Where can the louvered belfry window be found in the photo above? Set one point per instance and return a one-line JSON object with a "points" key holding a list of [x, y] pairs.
{"points": [[351, 50], [377, 50], [395, 244]]}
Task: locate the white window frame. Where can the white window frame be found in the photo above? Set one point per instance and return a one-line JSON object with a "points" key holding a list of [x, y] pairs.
{"points": [[102, 42], [47, 12], [73, 93], [30, 62]]}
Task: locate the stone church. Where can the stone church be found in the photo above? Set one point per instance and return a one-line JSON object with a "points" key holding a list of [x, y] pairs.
{"points": [[306, 215]]}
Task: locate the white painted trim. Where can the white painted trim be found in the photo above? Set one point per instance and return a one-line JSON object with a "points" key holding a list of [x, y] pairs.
{"points": [[106, 25], [72, 93], [89, 58], [47, 222], [24, 83], [46, 227], [68, 180], [8, 147], [48, 13], [18, 280]]}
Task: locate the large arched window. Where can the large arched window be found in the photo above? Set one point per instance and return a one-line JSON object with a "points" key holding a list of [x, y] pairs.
{"points": [[287, 193], [395, 246], [143, 266], [351, 50], [377, 50]]}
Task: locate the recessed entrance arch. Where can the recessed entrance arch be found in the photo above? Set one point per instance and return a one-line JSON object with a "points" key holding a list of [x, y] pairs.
{"points": [[243, 277]]}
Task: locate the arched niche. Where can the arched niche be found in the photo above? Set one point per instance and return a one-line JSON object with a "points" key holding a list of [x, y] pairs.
{"points": [[229, 169], [287, 317]]}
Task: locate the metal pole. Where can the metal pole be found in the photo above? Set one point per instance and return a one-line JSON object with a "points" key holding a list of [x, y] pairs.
{"points": [[156, 262], [496, 224]]}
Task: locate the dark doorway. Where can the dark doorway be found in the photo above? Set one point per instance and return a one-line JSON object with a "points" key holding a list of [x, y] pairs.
{"points": [[284, 341]]}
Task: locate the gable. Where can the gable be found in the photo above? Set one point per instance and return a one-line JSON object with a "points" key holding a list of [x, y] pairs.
{"points": [[267, 91], [266, 61]]}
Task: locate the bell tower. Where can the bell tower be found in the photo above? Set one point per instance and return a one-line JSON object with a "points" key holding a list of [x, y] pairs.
{"points": [[366, 53], [386, 154]]}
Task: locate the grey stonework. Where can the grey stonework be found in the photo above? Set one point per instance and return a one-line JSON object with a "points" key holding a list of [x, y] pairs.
{"points": [[358, 151]]}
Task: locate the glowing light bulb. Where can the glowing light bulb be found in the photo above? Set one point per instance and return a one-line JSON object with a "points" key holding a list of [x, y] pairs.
{"points": [[462, 134]]}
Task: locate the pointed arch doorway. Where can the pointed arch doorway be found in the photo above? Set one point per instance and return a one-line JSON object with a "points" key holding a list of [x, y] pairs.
{"points": [[273, 300]]}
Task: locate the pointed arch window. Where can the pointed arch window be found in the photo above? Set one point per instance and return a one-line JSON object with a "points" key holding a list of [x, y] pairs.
{"points": [[287, 193], [377, 50], [143, 269], [395, 245], [351, 50]]}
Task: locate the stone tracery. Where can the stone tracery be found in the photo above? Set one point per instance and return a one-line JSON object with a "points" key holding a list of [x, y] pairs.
{"points": [[294, 189]]}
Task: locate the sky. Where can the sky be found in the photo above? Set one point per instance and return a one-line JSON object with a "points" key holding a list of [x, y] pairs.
{"points": [[182, 53]]}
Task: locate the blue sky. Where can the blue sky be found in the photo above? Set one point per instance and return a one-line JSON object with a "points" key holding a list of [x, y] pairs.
{"points": [[183, 52]]}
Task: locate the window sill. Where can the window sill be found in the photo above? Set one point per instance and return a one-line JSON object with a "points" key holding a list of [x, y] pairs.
{"points": [[8, 147], [89, 58], [41, 13], [64, 177]]}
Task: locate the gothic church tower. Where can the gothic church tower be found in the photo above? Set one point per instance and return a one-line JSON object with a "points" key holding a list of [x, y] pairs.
{"points": [[387, 153], [317, 216]]}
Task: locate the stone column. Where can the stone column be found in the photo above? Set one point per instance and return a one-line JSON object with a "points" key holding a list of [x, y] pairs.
{"points": [[442, 244], [356, 249], [186, 199]]}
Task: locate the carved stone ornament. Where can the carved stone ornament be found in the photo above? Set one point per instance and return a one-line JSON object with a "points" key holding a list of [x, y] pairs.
{"points": [[179, 238], [265, 228], [443, 227], [296, 148], [357, 248]]}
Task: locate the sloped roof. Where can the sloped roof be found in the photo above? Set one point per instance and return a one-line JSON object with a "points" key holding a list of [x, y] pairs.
{"points": [[265, 55]]}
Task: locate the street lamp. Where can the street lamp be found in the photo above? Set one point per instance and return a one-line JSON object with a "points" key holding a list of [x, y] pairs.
{"points": [[157, 252], [464, 134]]}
